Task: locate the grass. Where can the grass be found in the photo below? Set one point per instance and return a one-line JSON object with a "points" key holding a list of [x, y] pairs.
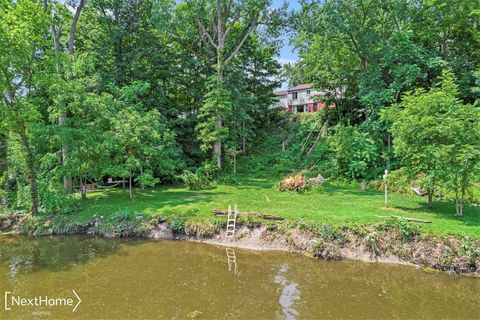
{"points": [[338, 205]]}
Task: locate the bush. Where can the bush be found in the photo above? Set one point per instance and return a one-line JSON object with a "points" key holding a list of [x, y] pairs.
{"points": [[194, 181], [176, 223], [399, 181], [355, 153], [58, 201], [407, 230], [125, 223]]}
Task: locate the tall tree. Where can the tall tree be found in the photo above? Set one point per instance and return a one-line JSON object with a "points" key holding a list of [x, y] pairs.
{"points": [[223, 27], [438, 136], [23, 34], [59, 13]]}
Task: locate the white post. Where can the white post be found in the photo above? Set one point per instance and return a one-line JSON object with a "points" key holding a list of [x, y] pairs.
{"points": [[385, 184]]}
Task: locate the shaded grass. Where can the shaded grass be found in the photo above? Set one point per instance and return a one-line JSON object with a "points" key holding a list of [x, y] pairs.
{"points": [[338, 205]]}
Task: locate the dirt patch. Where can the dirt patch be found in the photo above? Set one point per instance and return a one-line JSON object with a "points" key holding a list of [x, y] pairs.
{"points": [[247, 238]]}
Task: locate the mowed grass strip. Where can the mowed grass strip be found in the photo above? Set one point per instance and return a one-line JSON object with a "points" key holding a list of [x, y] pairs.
{"points": [[338, 205]]}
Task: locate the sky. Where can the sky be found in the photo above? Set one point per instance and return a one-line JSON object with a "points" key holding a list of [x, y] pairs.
{"points": [[287, 54]]}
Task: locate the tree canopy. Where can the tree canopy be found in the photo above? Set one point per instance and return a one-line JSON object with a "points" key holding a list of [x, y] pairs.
{"points": [[139, 91]]}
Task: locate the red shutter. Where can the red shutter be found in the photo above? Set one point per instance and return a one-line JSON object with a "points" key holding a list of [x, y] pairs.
{"points": [[310, 107], [321, 105], [289, 109]]}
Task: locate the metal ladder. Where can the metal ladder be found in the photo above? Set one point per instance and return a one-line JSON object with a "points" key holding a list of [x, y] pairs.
{"points": [[231, 222]]}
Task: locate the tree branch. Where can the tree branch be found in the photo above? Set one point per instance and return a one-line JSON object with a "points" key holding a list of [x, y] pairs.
{"points": [[248, 30], [204, 33], [219, 26], [230, 27], [73, 27]]}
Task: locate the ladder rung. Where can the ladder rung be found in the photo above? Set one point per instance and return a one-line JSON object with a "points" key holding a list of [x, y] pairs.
{"points": [[231, 222]]}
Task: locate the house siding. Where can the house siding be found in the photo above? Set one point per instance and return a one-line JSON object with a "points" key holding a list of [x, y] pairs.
{"points": [[301, 98]]}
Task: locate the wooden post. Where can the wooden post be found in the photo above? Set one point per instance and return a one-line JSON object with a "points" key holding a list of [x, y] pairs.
{"points": [[235, 163], [363, 186], [130, 186], [385, 184]]}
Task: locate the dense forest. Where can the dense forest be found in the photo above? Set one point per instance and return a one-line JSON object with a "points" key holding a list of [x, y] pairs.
{"points": [[151, 92]]}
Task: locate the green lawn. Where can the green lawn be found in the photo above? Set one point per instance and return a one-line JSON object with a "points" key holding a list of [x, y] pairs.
{"points": [[333, 204]]}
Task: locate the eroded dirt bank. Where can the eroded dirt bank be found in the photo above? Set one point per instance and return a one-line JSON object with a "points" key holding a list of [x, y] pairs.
{"points": [[390, 242]]}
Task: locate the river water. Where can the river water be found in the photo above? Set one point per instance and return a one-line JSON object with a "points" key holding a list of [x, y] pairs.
{"points": [[139, 279]]}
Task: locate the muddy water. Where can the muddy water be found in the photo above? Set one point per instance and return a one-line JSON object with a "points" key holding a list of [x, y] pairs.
{"points": [[136, 279]]}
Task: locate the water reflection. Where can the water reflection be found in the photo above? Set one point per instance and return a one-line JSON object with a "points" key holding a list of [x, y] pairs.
{"points": [[232, 260], [137, 279], [290, 294], [24, 255]]}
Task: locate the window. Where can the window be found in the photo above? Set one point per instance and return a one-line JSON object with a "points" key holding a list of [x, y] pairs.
{"points": [[308, 91], [294, 95]]}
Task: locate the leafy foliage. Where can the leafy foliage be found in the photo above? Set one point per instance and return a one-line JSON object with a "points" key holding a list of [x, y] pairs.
{"points": [[194, 181], [355, 154], [437, 135]]}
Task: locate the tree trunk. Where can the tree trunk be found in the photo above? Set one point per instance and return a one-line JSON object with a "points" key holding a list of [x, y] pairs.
{"points": [[458, 208], [83, 186], [4, 168], [142, 186], [56, 33], [459, 200], [218, 147], [67, 180], [430, 198], [234, 163], [130, 187], [31, 174], [218, 144], [244, 142], [457, 203]]}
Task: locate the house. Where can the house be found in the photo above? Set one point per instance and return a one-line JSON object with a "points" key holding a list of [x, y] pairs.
{"points": [[301, 98]]}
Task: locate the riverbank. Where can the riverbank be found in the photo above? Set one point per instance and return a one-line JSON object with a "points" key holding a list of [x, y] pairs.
{"points": [[392, 241]]}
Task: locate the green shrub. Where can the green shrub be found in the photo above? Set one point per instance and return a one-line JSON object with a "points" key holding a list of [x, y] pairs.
{"points": [[400, 181], [355, 153], [58, 201], [328, 232], [470, 249], [407, 230], [193, 181], [125, 223], [371, 241], [204, 229], [176, 223]]}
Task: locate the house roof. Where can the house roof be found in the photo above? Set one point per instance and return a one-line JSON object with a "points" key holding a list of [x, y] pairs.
{"points": [[281, 93], [302, 86]]}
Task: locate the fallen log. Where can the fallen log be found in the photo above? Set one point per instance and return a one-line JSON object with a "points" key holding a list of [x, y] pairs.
{"points": [[408, 219], [262, 215]]}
